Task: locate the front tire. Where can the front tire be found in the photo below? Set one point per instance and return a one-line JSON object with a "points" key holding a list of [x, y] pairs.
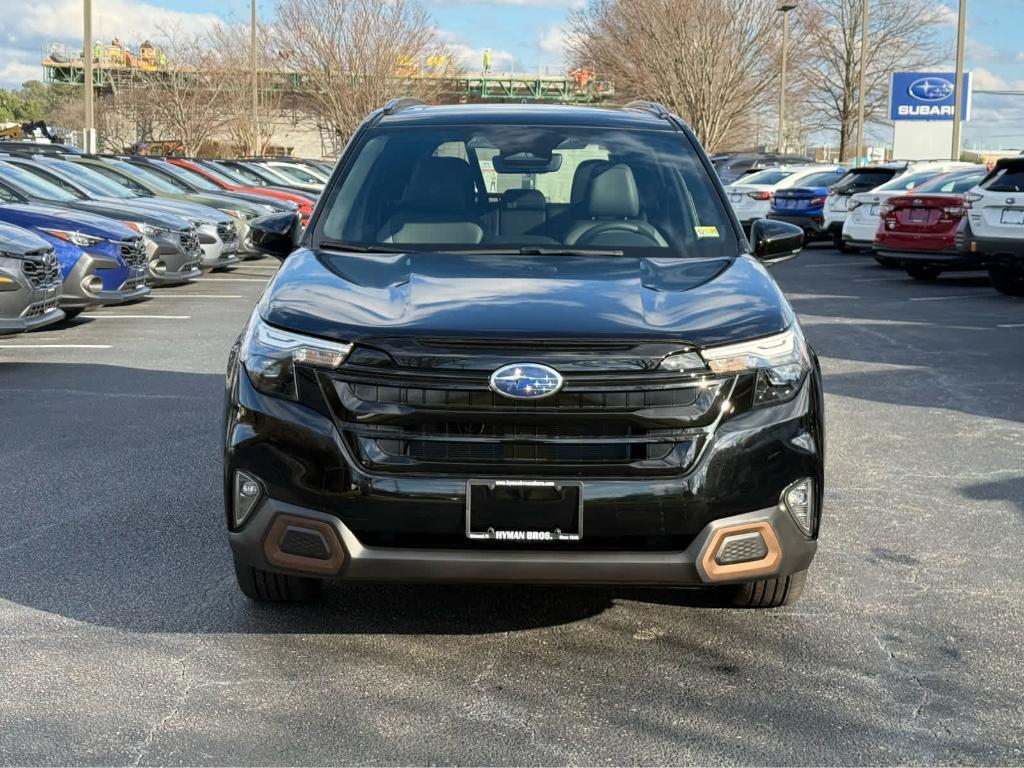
{"points": [[269, 587], [769, 593], [71, 314], [840, 244], [1007, 280], [923, 271]]}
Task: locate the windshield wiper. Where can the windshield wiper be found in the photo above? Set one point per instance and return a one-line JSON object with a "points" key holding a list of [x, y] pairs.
{"points": [[535, 250], [339, 245]]}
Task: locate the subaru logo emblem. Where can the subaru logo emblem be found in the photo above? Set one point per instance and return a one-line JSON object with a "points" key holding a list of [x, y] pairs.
{"points": [[931, 89], [526, 381]]}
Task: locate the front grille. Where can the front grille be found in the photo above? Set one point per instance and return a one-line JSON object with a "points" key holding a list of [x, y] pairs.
{"points": [[40, 308], [134, 253], [132, 284], [227, 233], [616, 424], [192, 250], [42, 270]]}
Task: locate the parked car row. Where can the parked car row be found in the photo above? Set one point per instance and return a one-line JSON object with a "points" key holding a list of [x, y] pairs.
{"points": [[926, 217], [79, 231]]}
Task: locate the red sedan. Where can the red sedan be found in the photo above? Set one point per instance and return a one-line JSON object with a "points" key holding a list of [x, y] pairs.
{"points": [[231, 184], [919, 229]]}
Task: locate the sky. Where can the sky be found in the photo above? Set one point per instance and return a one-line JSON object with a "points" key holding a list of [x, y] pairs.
{"points": [[524, 36]]}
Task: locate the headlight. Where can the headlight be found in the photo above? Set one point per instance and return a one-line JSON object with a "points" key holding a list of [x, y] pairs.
{"points": [[146, 229], [780, 361], [271, 354], [236, 214], [77, 238]]}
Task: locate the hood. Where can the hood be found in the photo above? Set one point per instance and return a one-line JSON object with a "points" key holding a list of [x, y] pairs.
{"points": [[15, 241], [37, 216], [355, 297], [133, 213], [227, 202], [277, 203], [190, 211]]}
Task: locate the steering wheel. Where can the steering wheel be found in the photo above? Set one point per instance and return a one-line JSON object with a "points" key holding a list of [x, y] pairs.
{"points": [[618, 227]]}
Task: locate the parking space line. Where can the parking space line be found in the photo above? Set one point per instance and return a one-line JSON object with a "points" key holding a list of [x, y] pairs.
{"points": [[197, 296], [1010, 325], [825, 265], [903, 279], [55, 346], [977, 295], [91, 316]]}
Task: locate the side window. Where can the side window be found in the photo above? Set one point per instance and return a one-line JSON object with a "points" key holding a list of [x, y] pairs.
{"points": [[7, 196]]}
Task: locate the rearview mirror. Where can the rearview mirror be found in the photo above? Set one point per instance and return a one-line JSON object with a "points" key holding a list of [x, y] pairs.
{"points": [[276, 234], [775, 241]]}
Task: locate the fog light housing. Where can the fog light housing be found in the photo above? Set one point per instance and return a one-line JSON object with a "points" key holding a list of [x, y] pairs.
{"points": [[158, 266], [248, 492], [742, 548], [92, 284], [798, 500]]}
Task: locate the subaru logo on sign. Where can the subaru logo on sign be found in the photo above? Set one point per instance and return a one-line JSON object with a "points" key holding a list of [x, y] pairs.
{"points": [[526, 381], [931, 89]]}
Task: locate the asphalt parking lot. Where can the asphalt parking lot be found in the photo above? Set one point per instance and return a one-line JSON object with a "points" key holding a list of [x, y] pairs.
{"points": [[123, 638]]}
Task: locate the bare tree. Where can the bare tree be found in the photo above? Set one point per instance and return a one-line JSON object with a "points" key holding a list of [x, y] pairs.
{"points": [[712, 61], [901, 34], [231, 47], [353, 55], [186, 100]]}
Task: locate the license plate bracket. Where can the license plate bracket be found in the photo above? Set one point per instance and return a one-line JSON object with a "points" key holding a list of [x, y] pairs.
{"points": [[1012, 216], [524, 510]]}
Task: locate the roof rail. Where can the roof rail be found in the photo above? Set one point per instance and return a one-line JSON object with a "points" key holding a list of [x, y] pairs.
{"points": [[653, 107], [404, 102]]}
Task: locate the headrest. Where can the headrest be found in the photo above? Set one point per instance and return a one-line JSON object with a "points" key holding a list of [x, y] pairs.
{"points": [[523, 199], [613, 194], [440, 184], [582, 176]]}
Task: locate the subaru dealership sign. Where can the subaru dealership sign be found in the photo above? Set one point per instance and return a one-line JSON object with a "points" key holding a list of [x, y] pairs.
{"points": [[927, 96]]}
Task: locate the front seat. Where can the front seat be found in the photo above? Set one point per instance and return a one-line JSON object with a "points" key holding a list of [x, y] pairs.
{"points": [[613, 207], [522, 212], [437, 206]]}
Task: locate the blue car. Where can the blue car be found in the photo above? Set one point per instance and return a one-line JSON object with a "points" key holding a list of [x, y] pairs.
{"points": [[805, 205], [101, 261]]}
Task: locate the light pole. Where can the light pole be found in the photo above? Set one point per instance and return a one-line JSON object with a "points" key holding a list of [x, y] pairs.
{"points": [[783, 8], [958, 100], [90, 115], [863, 72], [255, 83]]}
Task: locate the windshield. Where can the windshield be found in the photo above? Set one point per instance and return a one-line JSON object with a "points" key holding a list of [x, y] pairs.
{"points": [[908, 181], [32, 185], [188, 176], [266, 175], [151, 180], [961, 183], [858, 181], [822, 179], [521, 187], [297, 174], [92, 182], [223, 174], [765, 177]]}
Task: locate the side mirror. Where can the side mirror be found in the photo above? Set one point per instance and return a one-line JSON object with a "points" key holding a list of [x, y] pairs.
{"points": [[775, 241], [276, 234]]}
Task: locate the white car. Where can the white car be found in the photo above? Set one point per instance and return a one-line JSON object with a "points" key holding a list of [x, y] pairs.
{"points": [[862, 179], [996, 224], [751, 196], [863, 218]]}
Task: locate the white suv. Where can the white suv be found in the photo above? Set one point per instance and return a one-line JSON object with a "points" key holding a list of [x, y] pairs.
{"points": [[862, 179], [751, 195], [862, 219], [996, 220]]}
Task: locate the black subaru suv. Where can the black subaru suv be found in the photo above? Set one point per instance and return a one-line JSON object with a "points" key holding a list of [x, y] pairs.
{"points": [[522, 343]]}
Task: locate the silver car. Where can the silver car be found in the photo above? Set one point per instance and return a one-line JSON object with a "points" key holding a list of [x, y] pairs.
{"points": [[30, 282]]}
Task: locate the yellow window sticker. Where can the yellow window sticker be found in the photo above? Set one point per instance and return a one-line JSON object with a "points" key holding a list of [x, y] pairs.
{"points": [[703, 232]]}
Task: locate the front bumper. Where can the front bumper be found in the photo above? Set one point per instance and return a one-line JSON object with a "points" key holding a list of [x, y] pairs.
{"points": [[75, 296], [813, 226], [258, 544], [169, 263], [406, 527]]}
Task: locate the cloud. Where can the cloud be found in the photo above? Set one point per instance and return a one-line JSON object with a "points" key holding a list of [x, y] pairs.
{"points": [[535, 3], [556, 41], [472, 58], [984, 80], [36, 24], [947, 16]]}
